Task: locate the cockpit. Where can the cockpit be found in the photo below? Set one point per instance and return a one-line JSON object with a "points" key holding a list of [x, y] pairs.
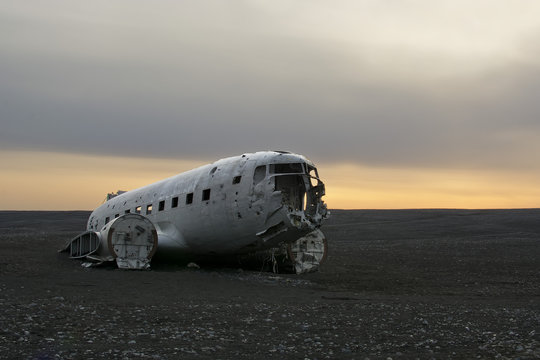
{"points": [[299, 185]]}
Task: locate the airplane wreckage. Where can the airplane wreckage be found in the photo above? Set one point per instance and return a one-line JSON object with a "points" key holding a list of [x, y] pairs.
{"points": [[265, 207]]}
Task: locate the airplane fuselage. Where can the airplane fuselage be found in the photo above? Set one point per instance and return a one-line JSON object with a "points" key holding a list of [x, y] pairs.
{"points": [[236, 205]]}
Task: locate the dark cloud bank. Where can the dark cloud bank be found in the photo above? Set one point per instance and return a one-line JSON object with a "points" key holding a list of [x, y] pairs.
{"points": [[207, 98]]}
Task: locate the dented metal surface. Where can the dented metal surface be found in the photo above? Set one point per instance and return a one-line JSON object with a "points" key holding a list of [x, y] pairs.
{"points": [[308, 252], [264, 202]]}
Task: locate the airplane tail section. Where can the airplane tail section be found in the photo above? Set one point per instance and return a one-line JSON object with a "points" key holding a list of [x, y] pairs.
{"points": [[130, 239], [83, 245]]}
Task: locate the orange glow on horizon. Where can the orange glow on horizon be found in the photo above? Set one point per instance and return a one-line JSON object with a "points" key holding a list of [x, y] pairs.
{"points": [[55, 181], [356, 187]]}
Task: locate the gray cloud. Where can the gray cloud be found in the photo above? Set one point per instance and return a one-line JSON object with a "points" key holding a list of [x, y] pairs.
{"points": [[132, 89]]}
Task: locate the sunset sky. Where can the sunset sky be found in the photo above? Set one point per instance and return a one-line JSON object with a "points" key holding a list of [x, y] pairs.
{"points": [[400, 104]]}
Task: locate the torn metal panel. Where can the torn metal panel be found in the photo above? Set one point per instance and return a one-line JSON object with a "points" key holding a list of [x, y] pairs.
{"points": [[113, 195], [272, 231], [96, 261], [301, 256], [308, 252]]}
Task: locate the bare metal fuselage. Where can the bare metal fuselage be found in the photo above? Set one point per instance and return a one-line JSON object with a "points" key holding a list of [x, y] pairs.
{"points": [[238, 205]]}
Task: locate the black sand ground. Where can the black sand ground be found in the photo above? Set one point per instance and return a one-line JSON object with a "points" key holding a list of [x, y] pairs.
{"points": [[396, 284]]}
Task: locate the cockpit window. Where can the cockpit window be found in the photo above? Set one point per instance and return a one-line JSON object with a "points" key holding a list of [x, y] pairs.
{"points": [[259, 175], [291, 168], [313, 176], [313, 171]]}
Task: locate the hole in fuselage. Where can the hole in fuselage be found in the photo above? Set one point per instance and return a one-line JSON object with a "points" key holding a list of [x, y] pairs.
{"points": [[293, 190]]}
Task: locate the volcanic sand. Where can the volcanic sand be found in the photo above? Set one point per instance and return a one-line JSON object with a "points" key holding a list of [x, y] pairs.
{"points": [[397, 283]]}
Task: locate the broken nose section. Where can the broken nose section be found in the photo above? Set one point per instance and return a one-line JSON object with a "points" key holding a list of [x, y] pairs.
{"points": [[298, 245], [303, 255], [308, 252]]}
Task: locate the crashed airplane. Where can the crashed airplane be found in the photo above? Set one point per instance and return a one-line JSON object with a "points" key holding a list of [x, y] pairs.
{"points": [[265, 206]]}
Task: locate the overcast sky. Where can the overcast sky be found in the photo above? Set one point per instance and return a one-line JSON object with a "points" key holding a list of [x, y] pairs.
{"points": [[410, 83]]}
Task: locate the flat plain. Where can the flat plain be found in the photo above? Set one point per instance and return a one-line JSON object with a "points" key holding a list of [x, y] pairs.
{"points": [[400, 284]]}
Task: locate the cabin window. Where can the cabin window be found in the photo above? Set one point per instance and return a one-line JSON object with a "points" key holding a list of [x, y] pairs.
{"points": [[148, 209], [116, 215], [206, 195], [138, 210], [260, 173], [127, 211], [161, 205], [236, 179], [174, 202], [189, 198], [107, 220]]}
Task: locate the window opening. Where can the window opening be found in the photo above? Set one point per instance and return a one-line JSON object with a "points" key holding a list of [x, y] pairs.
{"points": [[107, 220], [292, 168], [292, 190], [259, 175], [138, 210], [189, 198], [313, 176], [161, 205], [148, 209], [127, 211], [206, 194], [236, 179], [116, 215], [174, 202]]}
